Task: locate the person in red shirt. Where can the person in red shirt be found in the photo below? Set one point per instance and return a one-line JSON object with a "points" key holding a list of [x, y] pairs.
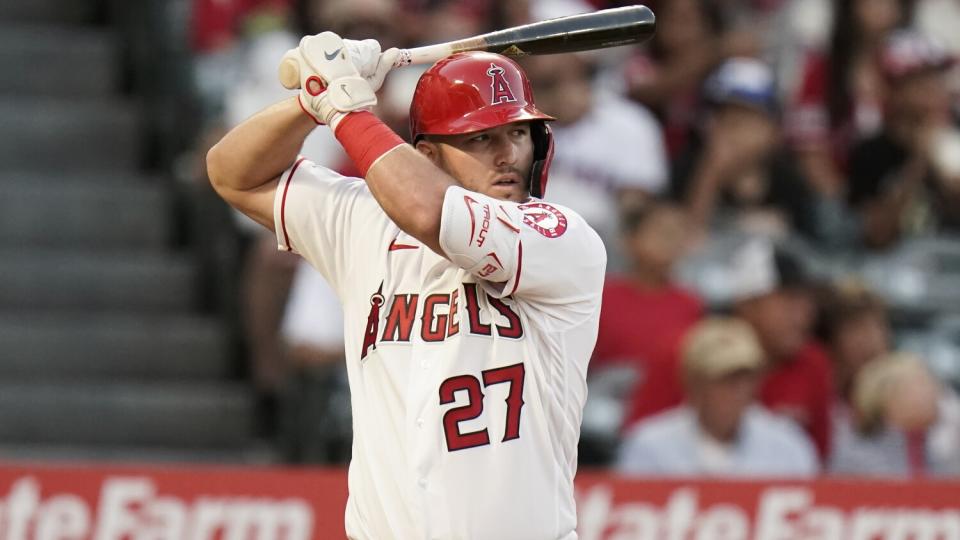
{"points": [[773, 293], [645, 314]]}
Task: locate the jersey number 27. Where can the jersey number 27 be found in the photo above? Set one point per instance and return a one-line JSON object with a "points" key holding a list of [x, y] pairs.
{"points": [[456, 440]]}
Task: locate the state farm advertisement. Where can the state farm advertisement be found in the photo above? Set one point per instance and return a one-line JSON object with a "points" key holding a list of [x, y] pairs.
{"points": [[209, 503], [822, 510], [80, 503]]}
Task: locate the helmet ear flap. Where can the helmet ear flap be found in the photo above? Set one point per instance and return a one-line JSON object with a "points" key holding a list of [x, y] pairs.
{"points": [[542, 156]]}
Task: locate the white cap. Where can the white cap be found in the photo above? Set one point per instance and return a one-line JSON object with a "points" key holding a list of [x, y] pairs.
{"points": [[753, 272], [758, 267]]}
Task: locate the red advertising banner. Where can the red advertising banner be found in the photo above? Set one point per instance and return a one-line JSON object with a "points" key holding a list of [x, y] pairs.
{"points": [[210, 503], [614, 508], [139, 503]]}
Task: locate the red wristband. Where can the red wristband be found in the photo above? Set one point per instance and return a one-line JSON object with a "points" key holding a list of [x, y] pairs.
{"points": [[365, 139]]}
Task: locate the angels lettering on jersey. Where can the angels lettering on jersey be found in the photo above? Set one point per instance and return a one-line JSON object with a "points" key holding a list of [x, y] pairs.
{"points": [[437, 317]]}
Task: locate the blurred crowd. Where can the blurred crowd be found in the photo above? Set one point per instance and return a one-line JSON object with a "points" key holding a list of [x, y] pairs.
{"points": [[778, 186]]}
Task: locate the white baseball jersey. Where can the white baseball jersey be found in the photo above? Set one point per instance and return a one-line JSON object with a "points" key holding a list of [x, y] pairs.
{"points": [[467, 373]]}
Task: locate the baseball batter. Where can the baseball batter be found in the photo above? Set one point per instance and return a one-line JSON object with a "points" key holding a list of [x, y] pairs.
{"points": [[470, 305]]}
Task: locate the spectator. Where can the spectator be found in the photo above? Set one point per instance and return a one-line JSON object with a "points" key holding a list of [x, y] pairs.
{"points": [[766, 14], [798, 27], [772, 293], [719, 431], [855, 327], [351, 19], [314, 407], [841, 92], [939, 20], [740, 170], [690, 42], [906, 180], [904, 423], [447, 20], [645, 313], [612, 148], [510, 14], [219, 32]]}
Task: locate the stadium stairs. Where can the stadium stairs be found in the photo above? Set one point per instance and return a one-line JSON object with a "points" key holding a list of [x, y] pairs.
{"points": [[105, 349]]}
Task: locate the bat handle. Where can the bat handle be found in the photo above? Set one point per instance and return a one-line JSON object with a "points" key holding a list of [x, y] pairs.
{"points": [[289, 71]]}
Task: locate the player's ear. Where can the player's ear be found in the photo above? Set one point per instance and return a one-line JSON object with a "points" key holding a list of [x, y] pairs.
{"points": [[429, 149]]}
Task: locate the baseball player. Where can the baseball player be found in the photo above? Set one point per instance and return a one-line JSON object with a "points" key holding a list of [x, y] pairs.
{"points": [[470, 305]]}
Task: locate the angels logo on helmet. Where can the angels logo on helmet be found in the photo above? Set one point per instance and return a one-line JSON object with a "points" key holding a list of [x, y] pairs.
{"points": [[501, 88]]}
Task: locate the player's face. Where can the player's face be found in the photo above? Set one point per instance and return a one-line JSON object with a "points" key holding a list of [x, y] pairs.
{"points": [[495, 161]]}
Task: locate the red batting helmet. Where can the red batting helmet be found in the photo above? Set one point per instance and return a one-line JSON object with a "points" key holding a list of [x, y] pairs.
{"points": [[473, 91]]}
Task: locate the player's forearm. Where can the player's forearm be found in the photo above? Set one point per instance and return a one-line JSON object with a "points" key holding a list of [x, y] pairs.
{"points": [[407, 185], [260, 148], [410, 189]]}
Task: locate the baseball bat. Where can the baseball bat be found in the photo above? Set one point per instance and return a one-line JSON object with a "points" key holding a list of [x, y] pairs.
{"points": [[573, 33]]}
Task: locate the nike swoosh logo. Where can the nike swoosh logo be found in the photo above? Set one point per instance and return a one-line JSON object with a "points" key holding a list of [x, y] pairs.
{"points": [[331, 56], [395, 246], [470, 201], [343, 87]]}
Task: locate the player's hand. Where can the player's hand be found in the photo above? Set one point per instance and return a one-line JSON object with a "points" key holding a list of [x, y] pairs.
{"points": [[372, 64], [330, 84]]}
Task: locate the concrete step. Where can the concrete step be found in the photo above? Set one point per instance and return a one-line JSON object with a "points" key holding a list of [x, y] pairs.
{"points": [[68, 347], [57, 60], [53, 134], [78, 280], [59, 11], [167, 415], [84, 215]]}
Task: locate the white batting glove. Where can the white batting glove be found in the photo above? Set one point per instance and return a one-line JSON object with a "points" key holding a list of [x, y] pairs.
{"points": [[330, 84], [372, 64]]}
